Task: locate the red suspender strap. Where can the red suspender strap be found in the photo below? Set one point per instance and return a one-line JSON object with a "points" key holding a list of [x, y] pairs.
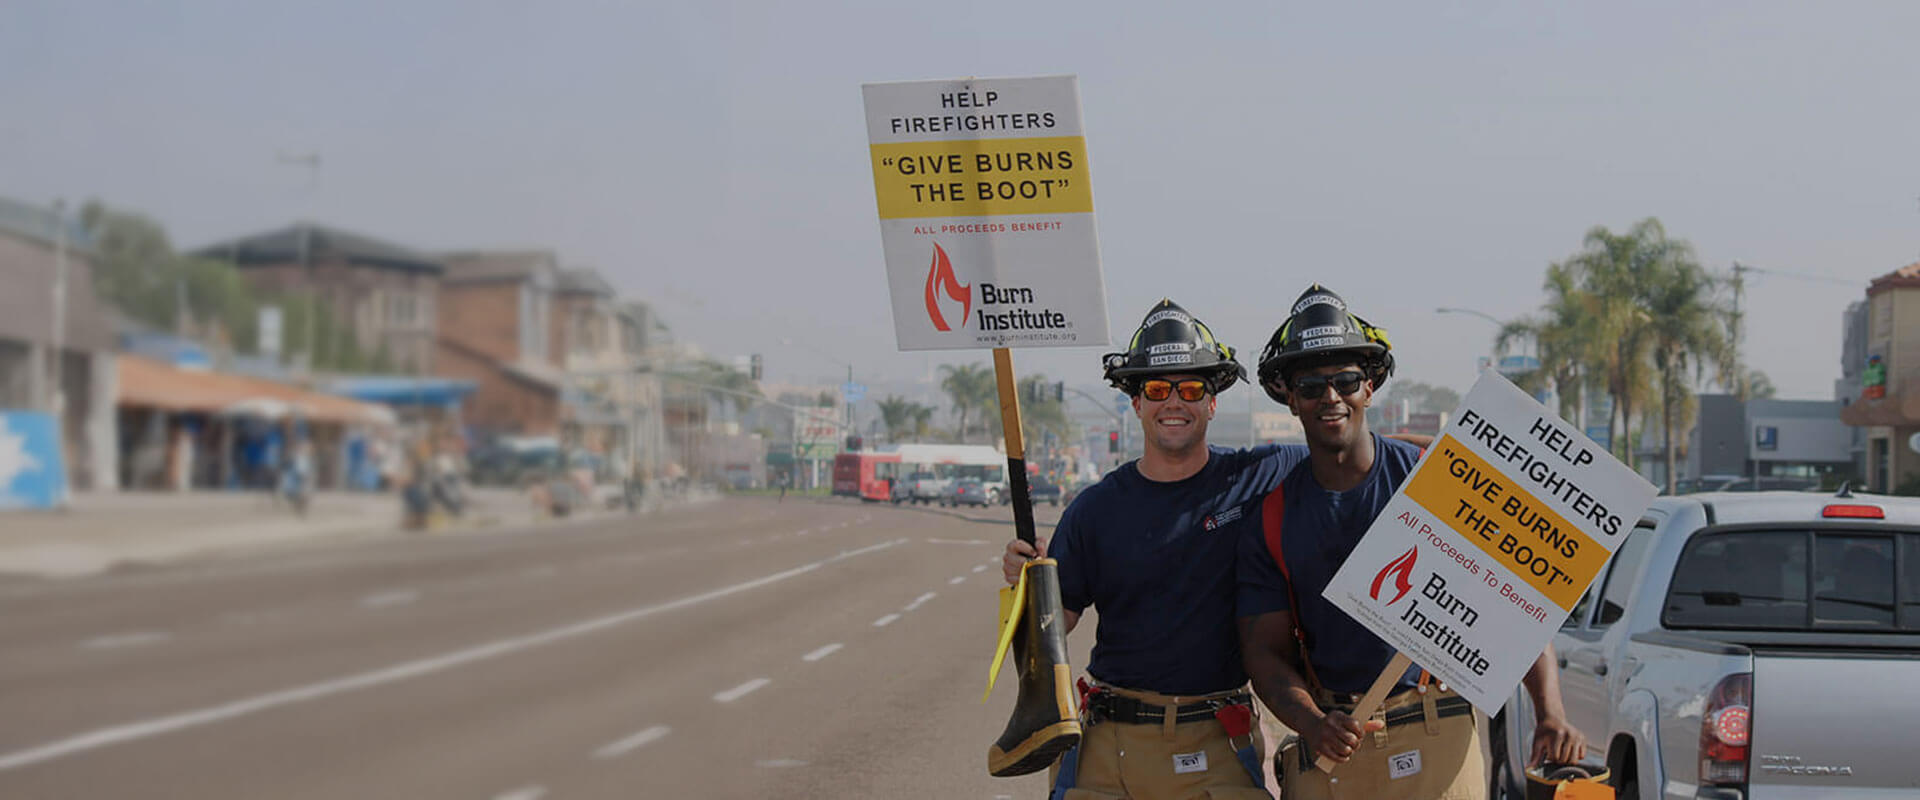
{"points": [[1273, 512]]}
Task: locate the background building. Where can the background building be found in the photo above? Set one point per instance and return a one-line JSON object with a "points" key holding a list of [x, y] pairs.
{"points": [[1888, 407], [1794, 441], [56, 348], [385, 293]]}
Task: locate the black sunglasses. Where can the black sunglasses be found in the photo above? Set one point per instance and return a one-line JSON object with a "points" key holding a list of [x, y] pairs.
{"points": [[1314, 387]]}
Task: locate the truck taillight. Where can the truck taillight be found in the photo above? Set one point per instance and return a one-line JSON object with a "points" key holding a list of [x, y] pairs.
{"points": [[1725, 729]]}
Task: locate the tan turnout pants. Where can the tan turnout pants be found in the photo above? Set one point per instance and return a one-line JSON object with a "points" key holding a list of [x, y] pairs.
{"points": [[1427, 758], [1163, 761]]}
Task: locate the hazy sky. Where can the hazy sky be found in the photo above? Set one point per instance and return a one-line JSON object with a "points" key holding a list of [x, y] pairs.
{"points": [[711, 157]]}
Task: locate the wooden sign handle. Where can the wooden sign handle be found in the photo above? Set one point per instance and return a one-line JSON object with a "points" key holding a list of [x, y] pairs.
{"points": [[1370, 702], [1016, 445]]}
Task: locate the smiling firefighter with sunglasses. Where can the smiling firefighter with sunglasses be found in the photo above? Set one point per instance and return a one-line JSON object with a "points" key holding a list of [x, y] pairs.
{"points": [[1164, 707], [1309, 661]]}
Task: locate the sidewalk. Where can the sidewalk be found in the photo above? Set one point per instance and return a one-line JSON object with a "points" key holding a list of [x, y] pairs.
{"points": [[101, 530]]}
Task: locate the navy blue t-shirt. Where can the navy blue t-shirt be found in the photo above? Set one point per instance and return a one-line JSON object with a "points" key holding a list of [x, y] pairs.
{"points": [[1319, 530], [1157, 560]]}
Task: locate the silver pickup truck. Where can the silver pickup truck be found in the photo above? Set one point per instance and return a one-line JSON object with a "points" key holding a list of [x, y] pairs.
{"points": [[1751, 645]]}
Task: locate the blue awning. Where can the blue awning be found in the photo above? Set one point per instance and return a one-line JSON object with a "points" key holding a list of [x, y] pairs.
{"points": [[402, 391]]}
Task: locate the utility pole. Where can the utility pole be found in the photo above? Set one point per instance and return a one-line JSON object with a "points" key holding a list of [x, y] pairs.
{"points": [[1739, 286], [304, 232], [57, 398]]}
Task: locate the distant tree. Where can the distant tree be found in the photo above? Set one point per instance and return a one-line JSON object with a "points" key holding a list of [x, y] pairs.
{"points": [[1759, 385], [922, 421], [1565, 338], [896, 413], [1687, 332], [719, 382], [968, 387], [1044, 415], [137, 271]]}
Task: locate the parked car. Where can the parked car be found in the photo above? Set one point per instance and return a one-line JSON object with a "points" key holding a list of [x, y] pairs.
{"points": [[1041, 490], [1746, 645], [966, 492], [919, 487], [1704, 483]]}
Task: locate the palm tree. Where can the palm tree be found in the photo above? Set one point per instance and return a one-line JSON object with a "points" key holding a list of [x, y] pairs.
{"points": [[1564, 339], [1618, 271], [969, 386], [896, 413], [1686, 329], [922, 416]]}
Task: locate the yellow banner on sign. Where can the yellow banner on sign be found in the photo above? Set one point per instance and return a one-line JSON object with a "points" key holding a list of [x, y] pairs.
{"points": [[1513, 527], [982, 177]]}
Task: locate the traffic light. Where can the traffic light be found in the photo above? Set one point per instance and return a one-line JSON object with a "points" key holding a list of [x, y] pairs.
{"points": [[1113, 441], [754, 370], [853, 444]]}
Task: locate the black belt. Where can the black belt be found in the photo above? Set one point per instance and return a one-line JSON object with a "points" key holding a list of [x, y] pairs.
{"points": [[1443, 708], [1110, 707]]}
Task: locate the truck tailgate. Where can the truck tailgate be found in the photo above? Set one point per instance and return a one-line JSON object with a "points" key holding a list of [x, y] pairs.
{"points": [[1830, 724]]}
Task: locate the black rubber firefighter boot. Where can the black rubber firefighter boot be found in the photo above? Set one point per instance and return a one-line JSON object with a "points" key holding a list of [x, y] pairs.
{"points": [[1045, 722]]}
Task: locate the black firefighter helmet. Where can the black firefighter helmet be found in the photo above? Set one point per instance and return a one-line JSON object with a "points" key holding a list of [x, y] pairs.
{"points": [[1321, 330], [1171, 342]]}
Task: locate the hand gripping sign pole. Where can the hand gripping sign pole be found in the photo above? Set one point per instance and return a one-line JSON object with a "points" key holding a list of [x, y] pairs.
{"points": [[987, 221]]}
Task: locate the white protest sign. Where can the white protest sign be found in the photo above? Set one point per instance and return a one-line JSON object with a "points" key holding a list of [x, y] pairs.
{"points": [[1480, 556], [986, 215]]}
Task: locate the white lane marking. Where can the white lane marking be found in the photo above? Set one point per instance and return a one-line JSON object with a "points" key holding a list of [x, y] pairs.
{"points": [[956, 541], [134, 639], [634, 742], [740, 691], [523, 793], [822, 652], [919, 601], [956, 580], [398, 597], [885, 621], [779, 763], [981, 568], [102, 737]]}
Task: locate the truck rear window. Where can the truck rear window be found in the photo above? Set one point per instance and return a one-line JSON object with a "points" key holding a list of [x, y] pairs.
{"points": [[1797, 580]]}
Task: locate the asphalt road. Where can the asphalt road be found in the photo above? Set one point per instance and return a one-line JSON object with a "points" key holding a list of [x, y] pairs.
{"points": [[745, 648]]}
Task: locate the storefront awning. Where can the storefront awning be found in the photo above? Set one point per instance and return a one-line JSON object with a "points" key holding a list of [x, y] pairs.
{"points": [[146, 383]]}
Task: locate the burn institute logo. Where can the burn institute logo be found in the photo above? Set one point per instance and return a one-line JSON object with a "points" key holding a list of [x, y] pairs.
{"points": [[941, 280], [1402, 571], [1003, 308]]}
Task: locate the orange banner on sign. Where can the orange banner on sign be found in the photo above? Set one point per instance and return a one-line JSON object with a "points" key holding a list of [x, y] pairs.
{"points": [[1514, 528]]}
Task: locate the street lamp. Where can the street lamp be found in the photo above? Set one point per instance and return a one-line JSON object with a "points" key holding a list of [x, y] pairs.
{"points": [[1481, 314]]}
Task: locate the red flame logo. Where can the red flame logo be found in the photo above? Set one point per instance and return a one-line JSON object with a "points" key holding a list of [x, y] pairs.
{"points": [[1401, 569], [941, 280]]}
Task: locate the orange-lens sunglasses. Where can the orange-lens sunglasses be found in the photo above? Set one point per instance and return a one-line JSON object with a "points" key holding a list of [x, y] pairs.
{"points": [[1191, 390]]}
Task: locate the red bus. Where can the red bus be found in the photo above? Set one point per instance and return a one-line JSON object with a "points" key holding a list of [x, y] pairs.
{"points": [[868, 476]]}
